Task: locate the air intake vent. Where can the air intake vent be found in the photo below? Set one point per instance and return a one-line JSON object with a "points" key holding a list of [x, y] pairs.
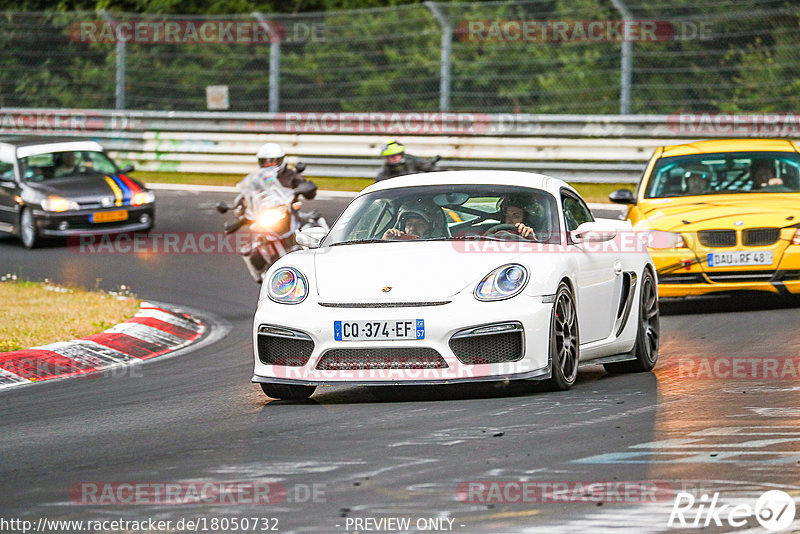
{"points": [[760, 237], [481, 346], [381, 358], [285, 347], [717, 238]]}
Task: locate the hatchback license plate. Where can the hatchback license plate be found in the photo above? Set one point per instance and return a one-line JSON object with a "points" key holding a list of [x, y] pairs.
{"points": [[109, 216], [371, 330]]}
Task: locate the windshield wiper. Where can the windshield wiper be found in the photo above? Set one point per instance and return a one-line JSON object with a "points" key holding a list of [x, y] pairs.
{"points": [[362, 242], [469, 238]]}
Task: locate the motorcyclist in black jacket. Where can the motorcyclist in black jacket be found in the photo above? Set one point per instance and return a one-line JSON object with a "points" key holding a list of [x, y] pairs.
{"points": [[398, 163]]}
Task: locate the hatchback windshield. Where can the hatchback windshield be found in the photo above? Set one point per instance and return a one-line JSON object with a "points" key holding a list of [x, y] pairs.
{"points": [[448, 212], [50, 165], [725, 173]]}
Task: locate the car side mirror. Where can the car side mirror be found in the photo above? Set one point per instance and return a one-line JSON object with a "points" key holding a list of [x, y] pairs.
{"points": [[622, 196], [127, 168], [311, 237], [593, 232]]}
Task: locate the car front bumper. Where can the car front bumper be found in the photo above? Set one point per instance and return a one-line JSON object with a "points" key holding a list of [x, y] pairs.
{"points": [[682, 273], [314, 323], [74, 223]]}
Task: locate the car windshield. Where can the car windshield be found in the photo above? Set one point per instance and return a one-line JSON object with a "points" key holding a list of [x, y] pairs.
{"points": [[52, 165], [725, 173], [448, 212]]}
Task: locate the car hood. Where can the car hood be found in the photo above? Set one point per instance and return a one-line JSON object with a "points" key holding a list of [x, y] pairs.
{"points": [[400, 271], [699, 213], [81, 188]]}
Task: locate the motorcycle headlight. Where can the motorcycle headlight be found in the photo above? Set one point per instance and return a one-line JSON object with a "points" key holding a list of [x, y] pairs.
{"points": [[287, 286], [658, 239], [270, 216], [143, 197], [54, 203], [502, 283]]}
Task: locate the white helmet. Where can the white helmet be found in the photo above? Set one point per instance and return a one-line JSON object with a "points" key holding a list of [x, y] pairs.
{"points": [[271, 155]]}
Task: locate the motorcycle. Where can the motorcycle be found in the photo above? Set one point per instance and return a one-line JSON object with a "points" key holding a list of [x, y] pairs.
{"points": [[273, 213]]}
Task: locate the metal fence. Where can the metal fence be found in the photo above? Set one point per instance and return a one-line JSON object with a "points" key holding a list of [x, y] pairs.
{"points": [[529, 56], [578, 148]]}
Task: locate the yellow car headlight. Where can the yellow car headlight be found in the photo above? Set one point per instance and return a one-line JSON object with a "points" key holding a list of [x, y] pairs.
{"points": [[58, 204], [796, 238], [658, 239]]}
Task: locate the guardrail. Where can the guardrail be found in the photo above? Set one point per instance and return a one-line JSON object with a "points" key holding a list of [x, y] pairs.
{"points": [[578, 148]]}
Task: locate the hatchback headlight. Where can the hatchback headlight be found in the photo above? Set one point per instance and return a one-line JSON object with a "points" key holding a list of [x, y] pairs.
{"points": [[143, 197], [502, 283], [287, 286], [58, 204], [658, 239]]}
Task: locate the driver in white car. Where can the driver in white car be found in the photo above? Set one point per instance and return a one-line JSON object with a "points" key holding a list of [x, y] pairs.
{"points": [[512, 211], [417, 220]]}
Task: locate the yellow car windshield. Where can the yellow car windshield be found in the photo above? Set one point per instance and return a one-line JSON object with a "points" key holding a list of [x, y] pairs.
{"points": [[724, 173]]}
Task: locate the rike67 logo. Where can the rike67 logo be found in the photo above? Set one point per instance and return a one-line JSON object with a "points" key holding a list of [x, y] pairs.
{"points": [[774, 510]]}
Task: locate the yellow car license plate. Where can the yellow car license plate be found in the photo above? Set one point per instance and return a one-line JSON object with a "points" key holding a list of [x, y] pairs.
{"points": [[109, 216]]}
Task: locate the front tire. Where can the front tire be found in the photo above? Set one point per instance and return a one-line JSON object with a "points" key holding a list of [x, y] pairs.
{"points": [[647, 335], [28, 233], [287, 392], [564, 341]]}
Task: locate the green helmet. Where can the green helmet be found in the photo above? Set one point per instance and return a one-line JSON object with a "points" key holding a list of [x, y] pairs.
{"points": [[392, 148]]}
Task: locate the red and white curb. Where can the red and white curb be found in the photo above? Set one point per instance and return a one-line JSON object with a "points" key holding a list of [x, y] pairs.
{"points": [[153, 331]]}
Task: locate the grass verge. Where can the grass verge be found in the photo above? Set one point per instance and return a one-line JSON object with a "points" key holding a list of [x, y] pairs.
{"points": [[590, 192], [34, 313]]}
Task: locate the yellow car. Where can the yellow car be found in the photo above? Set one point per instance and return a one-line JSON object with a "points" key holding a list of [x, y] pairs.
{"points": [[721, 215]]}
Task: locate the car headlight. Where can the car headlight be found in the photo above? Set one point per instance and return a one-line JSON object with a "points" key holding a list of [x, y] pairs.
{"points": [[796, 238], [287, 286], [502, 283], [143, 197], [658, 239], [54, 203], [270, 216]]}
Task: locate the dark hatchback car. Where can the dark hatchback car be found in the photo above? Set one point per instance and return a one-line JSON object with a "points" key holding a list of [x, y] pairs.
{"points": [[61, 187]]}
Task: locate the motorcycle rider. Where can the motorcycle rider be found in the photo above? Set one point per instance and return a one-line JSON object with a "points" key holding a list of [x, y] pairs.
{"points": [[271, 163], [398, 163]]}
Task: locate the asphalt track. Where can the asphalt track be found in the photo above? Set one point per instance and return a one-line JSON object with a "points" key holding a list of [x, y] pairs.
{"points": [[197, 418]]}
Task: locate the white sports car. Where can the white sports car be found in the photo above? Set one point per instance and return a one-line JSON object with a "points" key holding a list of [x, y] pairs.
{"points": [[457, 276]]}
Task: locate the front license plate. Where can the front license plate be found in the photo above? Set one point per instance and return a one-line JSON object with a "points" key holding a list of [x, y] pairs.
{"points": [[371, 330], [739, 257], [109, 216]]}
